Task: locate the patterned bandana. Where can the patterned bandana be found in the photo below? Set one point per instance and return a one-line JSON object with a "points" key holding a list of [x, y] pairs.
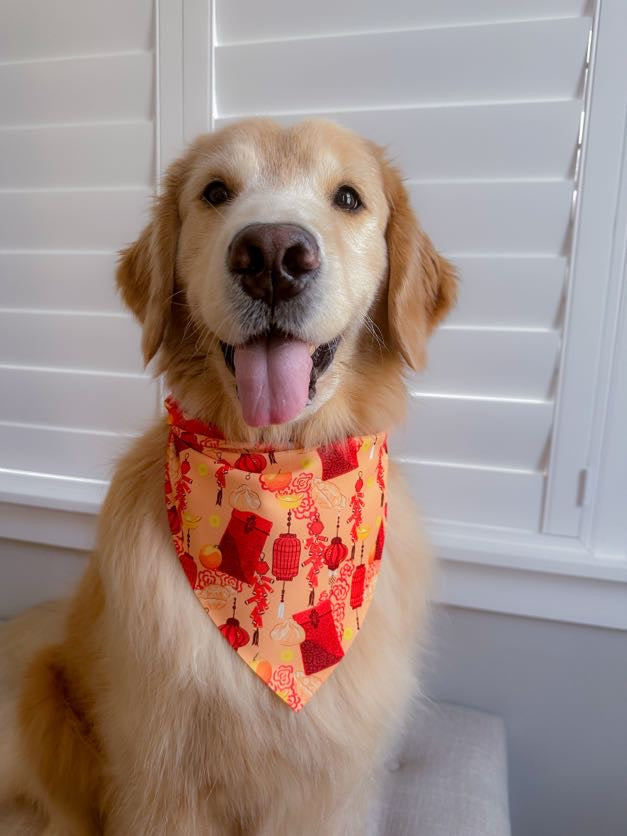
{"points": [[281, 547]]}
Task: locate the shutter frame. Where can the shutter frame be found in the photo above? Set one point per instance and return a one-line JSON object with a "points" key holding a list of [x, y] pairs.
{"points": [[590, 326]]}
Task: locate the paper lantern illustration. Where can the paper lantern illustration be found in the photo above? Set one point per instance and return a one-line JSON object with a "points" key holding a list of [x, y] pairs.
{"points": [[235, 635], [358, 583], [335, 552], [251, 463], [316, 526], [378, 549], [285, 559]]}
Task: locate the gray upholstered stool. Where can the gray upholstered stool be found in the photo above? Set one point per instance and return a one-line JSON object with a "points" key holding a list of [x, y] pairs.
{"points": [[449, 778]]}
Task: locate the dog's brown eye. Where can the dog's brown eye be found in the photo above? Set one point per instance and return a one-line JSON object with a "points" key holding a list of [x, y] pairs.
{"points": [[347, 198], [215, 193]]}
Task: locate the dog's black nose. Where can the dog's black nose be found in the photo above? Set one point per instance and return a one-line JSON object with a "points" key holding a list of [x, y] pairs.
{"points": [[273, 262]]}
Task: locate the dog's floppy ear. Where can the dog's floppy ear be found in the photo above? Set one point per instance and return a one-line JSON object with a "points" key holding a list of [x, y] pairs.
{"points": [[422, 285], [145, 274]]}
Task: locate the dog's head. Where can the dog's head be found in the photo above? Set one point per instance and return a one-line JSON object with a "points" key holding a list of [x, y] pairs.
{"points": [[283, 268]]}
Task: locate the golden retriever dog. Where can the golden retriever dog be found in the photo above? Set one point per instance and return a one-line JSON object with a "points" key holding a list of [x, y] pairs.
{"points": [[124, 711]]}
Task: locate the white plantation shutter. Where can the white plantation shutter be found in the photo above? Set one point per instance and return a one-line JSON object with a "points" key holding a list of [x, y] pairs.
{"points": [[480, 105], [514, 444], [77, 164]]}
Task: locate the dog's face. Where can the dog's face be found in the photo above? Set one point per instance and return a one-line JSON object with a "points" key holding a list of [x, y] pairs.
{"points": [[289, 247]]}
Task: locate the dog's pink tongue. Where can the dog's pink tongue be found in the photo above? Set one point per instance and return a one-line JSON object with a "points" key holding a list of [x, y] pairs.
{"points": [[272, 380]]}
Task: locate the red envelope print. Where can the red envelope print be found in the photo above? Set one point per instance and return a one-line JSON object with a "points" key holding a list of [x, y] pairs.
{"points": [[242, 543], [338, 458], [321, 647]]}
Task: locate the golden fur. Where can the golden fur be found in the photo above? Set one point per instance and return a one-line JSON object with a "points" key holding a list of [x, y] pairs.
{"points": [[126, 712]]}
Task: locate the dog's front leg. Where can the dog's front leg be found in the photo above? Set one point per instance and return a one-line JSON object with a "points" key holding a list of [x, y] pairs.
{"points": [[142, 822], [148, 810], [352, 815]]}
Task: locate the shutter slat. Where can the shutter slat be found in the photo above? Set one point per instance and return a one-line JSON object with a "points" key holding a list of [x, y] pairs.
{"points": [[68, 219], [102, 88], [490, 362], [505, 498], [84, 400], [59, 281], [506, 291], [501, 62], [501, 217], [77, 155], [522, 139], [87, 455], [77, 341], [475, 431], [35, 30], [239, 20]]}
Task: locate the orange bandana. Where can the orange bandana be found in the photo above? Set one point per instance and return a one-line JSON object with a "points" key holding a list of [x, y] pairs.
{"points": [[281, 547]]}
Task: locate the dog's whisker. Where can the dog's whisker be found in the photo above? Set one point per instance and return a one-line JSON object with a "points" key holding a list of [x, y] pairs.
{"points": [[373, 329]]}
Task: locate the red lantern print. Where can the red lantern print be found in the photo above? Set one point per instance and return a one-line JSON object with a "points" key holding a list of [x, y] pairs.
{"points": [[357, 586], [316, 526], [378, 549], [251, 462], [357, 589], [242, 543], [336, 551], [285, 559], [235, 635], [338, 458], [321, 648]]}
